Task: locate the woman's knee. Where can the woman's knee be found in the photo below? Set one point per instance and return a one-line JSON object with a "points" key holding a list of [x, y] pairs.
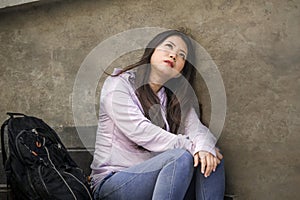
{"points": [[184, 159]]}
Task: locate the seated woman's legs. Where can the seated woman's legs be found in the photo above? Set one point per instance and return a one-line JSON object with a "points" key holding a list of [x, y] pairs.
{"points": [[210, 188], [165, 176]]}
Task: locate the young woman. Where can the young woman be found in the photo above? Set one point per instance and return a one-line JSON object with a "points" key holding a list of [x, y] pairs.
{"points": [[150, 142]]}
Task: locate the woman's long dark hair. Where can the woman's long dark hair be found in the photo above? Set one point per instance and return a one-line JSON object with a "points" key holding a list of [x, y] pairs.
{"points": [[178, 90]]}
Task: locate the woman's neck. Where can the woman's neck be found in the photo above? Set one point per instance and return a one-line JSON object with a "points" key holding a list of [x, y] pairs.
{"points": [[155, 87], [156, 81]]}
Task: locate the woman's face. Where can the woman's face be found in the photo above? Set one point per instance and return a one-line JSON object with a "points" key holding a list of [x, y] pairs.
{"points": [[168, 59]]}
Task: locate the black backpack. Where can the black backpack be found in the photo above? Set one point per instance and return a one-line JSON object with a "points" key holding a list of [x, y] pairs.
{"points": [[38, 165]]}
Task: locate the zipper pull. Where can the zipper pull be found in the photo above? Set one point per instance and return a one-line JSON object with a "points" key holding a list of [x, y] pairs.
{"points": [[34, 153], [35, 131], [38, 144]]}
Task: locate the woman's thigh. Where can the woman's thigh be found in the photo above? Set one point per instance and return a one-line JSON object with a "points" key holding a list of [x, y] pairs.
{"points": [[138, 182]]}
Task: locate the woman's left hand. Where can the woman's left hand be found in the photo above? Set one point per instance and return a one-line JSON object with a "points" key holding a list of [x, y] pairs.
{"points": [[208, 161]]}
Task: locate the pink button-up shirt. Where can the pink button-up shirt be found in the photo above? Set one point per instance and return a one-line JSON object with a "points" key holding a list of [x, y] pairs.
{"points": [[122, 127]]}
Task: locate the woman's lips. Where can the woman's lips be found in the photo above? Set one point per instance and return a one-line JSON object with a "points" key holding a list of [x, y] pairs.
{"points": [[169, 62]]}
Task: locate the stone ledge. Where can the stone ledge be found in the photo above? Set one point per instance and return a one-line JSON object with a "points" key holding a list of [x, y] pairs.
{"points": [[230, 197], [5, 194], [17, 5], [10, 3]]}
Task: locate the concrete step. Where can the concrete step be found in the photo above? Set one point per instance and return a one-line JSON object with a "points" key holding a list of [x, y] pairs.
{"points": [[4, 192], [82, 157]]}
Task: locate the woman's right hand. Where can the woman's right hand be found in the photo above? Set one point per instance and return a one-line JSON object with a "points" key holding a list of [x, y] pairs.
{"points": [[219, 155], [208, 161]]}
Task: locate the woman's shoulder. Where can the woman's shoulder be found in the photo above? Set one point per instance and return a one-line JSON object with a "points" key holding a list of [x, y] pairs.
{"points": [[125, 79], [127, 75]]}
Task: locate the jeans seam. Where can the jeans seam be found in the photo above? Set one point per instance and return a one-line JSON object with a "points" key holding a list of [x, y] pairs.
{"points": [[203, 189], [120, 186], [104, 196], [174, 170]]}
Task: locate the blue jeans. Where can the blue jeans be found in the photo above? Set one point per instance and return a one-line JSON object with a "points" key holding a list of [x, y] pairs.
{"points": [[167, 176]]}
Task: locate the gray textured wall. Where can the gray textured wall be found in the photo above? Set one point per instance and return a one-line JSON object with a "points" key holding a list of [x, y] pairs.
{"points": [[255, 44]]}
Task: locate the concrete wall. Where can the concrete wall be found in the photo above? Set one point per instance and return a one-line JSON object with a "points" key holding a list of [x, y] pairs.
{"points": [[255, 45]]}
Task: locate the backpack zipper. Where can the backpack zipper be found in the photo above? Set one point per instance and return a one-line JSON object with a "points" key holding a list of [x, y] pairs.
{"points": [[20, 156], [30, 183], [40, 176], [53, 166], [79, 182], [16, 144]]}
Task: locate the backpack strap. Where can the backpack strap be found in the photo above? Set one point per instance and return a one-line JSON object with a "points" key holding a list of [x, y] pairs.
{"points": [[4, 156], [12, 114]]}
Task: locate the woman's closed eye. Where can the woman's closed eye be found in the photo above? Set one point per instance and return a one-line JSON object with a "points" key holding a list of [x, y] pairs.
{"points": [[169, 46], [182, 55]]}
